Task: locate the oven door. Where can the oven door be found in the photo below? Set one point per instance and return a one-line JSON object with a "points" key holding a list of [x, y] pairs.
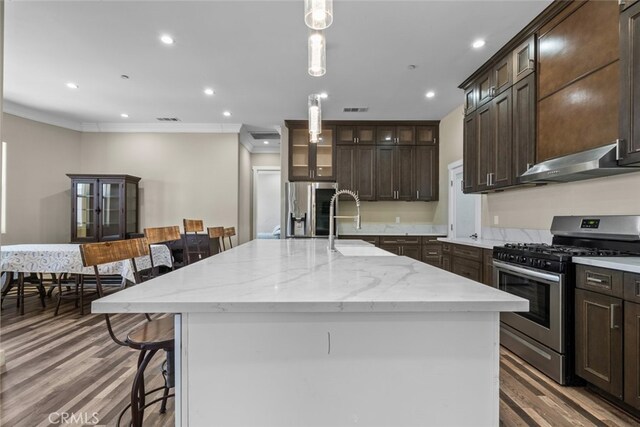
{"points": [[544, 322]]}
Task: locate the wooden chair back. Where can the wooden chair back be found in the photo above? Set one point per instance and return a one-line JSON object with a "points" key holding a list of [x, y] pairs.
{"points": [[217, 234], [96, 254], [230, 232], [193, 225], [162, 234]]}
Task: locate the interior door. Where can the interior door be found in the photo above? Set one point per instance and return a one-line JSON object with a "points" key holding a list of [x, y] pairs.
{"points": [[85, 205]]}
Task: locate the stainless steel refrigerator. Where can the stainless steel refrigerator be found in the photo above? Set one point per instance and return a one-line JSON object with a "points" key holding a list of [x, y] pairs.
{"points": [[308, 208]]}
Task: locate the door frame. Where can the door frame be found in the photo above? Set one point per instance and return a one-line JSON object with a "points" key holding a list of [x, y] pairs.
{"points": [[455, 168], [254, 195]]}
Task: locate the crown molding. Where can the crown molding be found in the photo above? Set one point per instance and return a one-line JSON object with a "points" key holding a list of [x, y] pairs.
{"points": [[12, 108], [177, 127]]}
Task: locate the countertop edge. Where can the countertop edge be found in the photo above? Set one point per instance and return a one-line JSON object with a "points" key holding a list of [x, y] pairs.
{"points": [[480, 243], [609, 263]]}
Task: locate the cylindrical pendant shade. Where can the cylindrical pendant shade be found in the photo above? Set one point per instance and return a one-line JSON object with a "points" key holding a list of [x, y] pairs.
{"points": [[317, 54], [318, 14], [315, 118]]}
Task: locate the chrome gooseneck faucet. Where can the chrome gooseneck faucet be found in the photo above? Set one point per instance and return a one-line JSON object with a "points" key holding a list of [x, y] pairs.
{"points": [[332, 243]]}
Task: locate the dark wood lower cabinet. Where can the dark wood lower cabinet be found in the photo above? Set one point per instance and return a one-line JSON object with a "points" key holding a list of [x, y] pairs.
{"points": [[599, 351], [487, 274], [632, 354], [446, 262], [467, 268]]}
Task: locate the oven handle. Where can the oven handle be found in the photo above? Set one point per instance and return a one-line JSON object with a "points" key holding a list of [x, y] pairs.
{"points": [[526, 272]]}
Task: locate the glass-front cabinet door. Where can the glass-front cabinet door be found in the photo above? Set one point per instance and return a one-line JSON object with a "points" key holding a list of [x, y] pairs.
{"points": [[103, 207], [324, 155], [311, 161], [83, 221]]}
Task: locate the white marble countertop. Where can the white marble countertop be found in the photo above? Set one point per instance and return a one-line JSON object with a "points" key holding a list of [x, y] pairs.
{"points": [[479, 243], [301, 275], [630, 264]]}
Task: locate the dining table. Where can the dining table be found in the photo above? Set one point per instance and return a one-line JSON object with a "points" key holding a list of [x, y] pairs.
{"points": [[65, 258]]}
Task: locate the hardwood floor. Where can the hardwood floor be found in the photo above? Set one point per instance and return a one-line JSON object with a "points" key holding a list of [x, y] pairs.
{"points": [[68, 364]]}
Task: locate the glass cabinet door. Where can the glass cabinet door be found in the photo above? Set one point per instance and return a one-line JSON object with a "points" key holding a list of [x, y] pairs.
{"points": [[300, 154], [110, 210], [132, 207], [324, 155], [85, 210]]}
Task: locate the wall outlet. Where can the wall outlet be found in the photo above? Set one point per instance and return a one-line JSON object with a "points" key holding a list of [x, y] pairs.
{"points": [[496, 220], [397, 220]]}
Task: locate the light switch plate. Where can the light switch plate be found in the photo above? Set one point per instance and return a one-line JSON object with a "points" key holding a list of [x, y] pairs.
{"points": [[397, 220], [496, 220]]}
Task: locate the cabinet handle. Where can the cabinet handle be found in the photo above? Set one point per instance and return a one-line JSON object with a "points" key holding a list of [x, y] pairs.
{"points": [[638, 288], [417, 194], [532, 64], [488, 180], [613, 316], [432, 253], [594, 280], [492, 91], [435, 140]]}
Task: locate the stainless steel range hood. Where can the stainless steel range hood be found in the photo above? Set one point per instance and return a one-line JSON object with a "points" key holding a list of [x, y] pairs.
{"points": [[597, 162]]}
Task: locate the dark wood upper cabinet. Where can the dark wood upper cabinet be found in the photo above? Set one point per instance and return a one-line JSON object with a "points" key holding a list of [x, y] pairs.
{"points": [[386, 135], [311, 161], [599, 351], [426, 172], [405, 173], [356, 135], [630, 85], [366, 172], [470, 99], [406, 135], [485, 88], [469, 154], [396, 173], [395, 135], [346, 168], [485, 142], [524, 59], [426, 135], [500, 175], [385, 166], [502, 75], [624, 4], [524, 125]]}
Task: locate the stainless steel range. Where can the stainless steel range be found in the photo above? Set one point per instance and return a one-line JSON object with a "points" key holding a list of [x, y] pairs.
{"points": [[544, 274]]}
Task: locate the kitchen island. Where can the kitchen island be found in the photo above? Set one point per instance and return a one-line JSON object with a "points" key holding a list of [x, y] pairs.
{"points": [[286, 333]]}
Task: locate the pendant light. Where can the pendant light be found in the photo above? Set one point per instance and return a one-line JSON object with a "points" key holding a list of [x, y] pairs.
{"points": [[317, 54], [315, 118], [318, 14]]}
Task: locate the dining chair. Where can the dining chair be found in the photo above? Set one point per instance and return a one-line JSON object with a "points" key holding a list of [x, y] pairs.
{"points": [[216, 234], [155, 335], [159, 235], [192, 227], [229, 232]]}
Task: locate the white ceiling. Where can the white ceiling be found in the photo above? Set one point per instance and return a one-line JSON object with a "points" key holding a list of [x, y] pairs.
{"points": [[254, 55]]}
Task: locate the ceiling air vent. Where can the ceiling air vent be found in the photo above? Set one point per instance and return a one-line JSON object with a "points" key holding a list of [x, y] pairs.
{"points": [[265, 135], [355, 109], [168, 119]]}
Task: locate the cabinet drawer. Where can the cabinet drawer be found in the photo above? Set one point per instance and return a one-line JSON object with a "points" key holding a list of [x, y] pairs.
{"points": [[405, 240], [446, 248], [468, 252], [431, 239], [632, 287], [467, 268], [436, 261], [432, 250], [597, 279]]}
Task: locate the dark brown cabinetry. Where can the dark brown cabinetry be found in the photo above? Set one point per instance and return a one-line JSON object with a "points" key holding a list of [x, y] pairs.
{"points": [[426, 158], [524, 125], [630, 85], [103, 207], [469, 159], [524, 60], [402, 245], [487, 274], [355, 170], [394, 135], [608, 331], [396, 173], [432, 251], [356, 134], [311, 161], [599, 340], [468, 261]]}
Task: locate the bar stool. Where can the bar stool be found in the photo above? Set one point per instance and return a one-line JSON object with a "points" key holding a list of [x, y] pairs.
{"points": [[193, 226], [216, 234], [229, 232], [148, 339], [157, 235]]}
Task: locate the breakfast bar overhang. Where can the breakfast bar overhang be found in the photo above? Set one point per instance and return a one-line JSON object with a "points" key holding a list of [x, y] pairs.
{"points": [[287, 333]]}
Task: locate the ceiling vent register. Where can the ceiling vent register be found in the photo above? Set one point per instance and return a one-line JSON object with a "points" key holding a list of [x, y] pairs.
{"points": [[355, 109], [168, 119], [265, 135]]}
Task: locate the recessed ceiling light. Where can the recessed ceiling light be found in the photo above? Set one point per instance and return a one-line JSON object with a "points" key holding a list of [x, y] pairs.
{"points": [[166, 39], [227, 114], [324, 95], [124, 115], [431, 94], [266, 142], [208, 91], [478, 44], [71, 85]]}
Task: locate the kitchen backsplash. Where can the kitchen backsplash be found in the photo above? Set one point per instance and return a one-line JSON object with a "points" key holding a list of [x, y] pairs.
{"points": [[378, 228], [518, 235]]}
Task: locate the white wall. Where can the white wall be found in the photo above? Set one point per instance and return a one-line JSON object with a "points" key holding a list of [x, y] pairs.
{"points": [[267, 200], [183, 175], [38, 191], [244, 195]]}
